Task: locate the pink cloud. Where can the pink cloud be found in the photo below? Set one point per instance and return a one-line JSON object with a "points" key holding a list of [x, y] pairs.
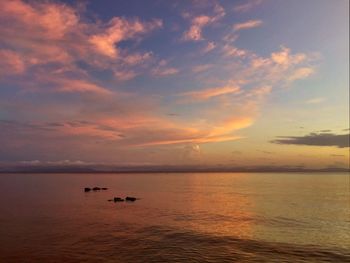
{"points": [[43, 33], [49, 19], [11, 63], [212, 92]]}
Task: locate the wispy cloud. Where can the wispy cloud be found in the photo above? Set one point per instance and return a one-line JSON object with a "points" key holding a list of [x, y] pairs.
{"points": [[212, 92], [231, 51], [247, 25], [162, 69], [317, 100], [247, 5], [201, 68]]}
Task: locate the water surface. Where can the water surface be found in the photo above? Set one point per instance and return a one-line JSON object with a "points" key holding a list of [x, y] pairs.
{"points": [[180, 217]]}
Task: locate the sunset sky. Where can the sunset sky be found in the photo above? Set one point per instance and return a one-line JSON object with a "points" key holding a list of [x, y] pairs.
{"points": [[229, 83]]}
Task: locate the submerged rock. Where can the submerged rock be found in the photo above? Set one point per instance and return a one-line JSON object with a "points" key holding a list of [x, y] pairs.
{"points": [[110, 200], [118, 199], [131, 199], [104, 188], [87, 189], [96, 189]]}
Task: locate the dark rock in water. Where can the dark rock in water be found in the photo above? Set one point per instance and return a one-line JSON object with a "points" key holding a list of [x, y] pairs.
{"points": [[96, 189], [104, 188], [87, 189], [118, 199], [131, 199], [110, 200]]}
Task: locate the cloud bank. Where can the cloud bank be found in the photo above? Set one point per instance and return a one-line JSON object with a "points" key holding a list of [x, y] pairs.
{"points": [[316, 139]]}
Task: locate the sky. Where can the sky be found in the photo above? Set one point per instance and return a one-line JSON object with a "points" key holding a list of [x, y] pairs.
{"points": [[206, 83]]}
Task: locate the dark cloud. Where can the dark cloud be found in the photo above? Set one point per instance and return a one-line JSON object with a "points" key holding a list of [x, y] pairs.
{"points": [[316, 139]]}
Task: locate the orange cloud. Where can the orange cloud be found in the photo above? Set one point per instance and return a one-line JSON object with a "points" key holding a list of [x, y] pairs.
{"points": [[284, 57], [231, 125], [212, 92], [301, 73], [120, 29], [194, 33], [247, 25]]}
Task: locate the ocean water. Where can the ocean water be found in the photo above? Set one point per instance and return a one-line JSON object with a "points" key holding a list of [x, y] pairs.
{"points": [[180, 217]]}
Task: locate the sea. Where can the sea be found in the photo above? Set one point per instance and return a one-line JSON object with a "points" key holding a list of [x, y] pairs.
{"points": [[178, 217]]}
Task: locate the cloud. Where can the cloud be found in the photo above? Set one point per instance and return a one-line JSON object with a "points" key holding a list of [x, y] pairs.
{"points": [[316, 139], [231, 51], [125, 75], [209, 47], [201, 68], [54, 38], [161, 72], [247, 25], [301, 73], [71, 85], [284, 57], [315, 100], [192, 152], [11, 63], [194, 33], [78, 67], [247, 5], [120, 29], [212, 92], [162, 69]]}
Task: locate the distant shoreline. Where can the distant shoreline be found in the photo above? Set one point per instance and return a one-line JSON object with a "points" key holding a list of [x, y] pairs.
{"points": [[169, 170]]}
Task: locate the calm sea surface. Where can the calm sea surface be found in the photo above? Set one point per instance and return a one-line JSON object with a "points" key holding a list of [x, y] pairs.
{"points": [[181, 217]]}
